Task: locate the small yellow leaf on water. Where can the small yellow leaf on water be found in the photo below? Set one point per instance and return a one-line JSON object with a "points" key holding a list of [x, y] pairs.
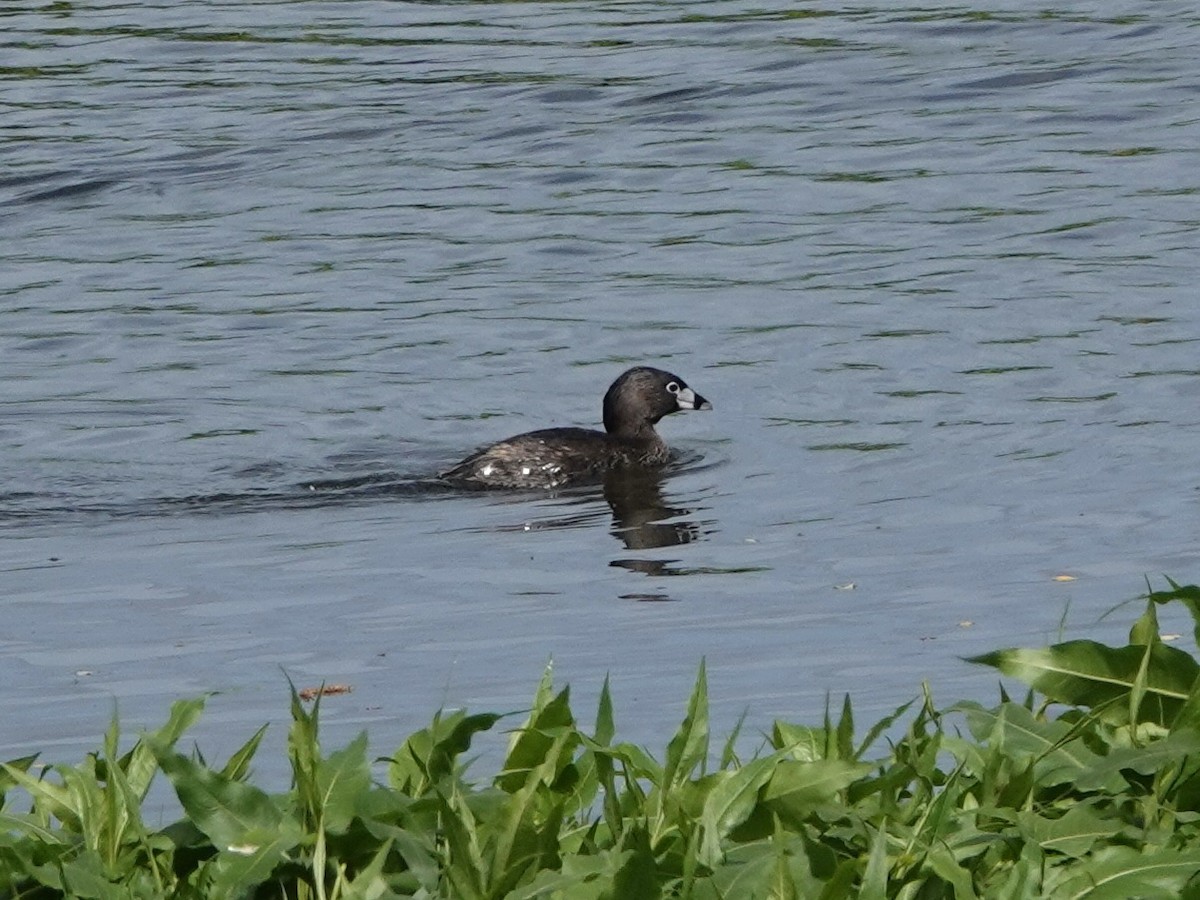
{"points": [[848, 586], [1064, 577], [965, 623]]}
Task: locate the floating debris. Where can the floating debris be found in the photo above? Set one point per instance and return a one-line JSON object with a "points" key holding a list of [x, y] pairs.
{"points": [[324, 690]]}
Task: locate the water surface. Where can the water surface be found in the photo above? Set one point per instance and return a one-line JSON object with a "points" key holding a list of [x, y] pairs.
{"points": [[934, 267]]}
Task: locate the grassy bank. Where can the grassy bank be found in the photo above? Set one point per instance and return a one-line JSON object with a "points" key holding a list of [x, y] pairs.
{"points": [[1088, 786]]}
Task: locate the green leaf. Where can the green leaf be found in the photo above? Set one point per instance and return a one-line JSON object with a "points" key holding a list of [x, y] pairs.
{"points": [[237, 869], [526, 829], [845, 731], [580, 878], [140, 764], [880, 727], [1089, 674], [464, 866], [235, 816], [802, 742], [50, 800], [772, 868], [840, 885], [1188, 716], [796, 789], [606, 728], [1145, 629], [415, 838], [728, 751], [238, 765], [1074, 833], [875, 875], [122, 825], [1156, 756], [431, 755], [688, 749], [369, 882], [538, 738], [1012, 731], [85, 877], [343, 779], [20, 764], [947, 868], [1118, 873], [783, 886], [637, 876], [638, 764], [1024, 880], [1188, 595], [730, 802], [304, 752]]}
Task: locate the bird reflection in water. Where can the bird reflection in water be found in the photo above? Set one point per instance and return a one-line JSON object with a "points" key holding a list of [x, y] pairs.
{"points": [[639, 520]]}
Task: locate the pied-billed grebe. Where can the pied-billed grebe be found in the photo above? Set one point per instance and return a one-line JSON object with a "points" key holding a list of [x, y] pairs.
{"points": [[553, 457]]}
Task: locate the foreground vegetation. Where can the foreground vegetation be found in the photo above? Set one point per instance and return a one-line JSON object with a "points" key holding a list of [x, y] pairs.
{"points": [[1089, 787]]}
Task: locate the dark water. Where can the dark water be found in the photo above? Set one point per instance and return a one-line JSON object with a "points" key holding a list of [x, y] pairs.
{"points": [[936, 269]]}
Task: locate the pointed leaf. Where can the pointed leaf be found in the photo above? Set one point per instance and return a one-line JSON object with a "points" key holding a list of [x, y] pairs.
{"points": [[875, 875], [1086, 673], [139, 764], [431, 754], [344, 778], [637, 876], [1018, 735], [231, 814], [1157, 756], [845, 731], [1145, 629], [606, 728], [1188, 595], [731, 802], [465, 869], [238, 765], [784, 885], [880, 727], [1074, 833], [1118, 873], [243, 866], [796, 789], [689, 747], [951, 871], [531, 743]]}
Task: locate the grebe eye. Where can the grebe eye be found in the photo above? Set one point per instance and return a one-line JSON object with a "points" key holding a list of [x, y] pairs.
{"points": [[673, 387]]}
